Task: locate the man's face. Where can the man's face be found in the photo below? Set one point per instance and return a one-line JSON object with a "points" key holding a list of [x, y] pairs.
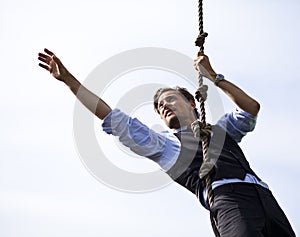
{"points": [[175, 110]]}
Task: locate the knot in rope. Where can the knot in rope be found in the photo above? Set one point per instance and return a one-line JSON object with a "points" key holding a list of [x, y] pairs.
{"points": [[201, 92], [200, 129], [201, 40]]}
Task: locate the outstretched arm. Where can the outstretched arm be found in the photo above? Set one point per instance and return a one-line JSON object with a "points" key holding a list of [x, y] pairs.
{"points": [[238, 96], [91, 101], [132, 133]]}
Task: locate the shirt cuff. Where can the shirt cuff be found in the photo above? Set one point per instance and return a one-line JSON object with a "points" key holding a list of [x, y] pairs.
{"points": [[111, 119], [237, 123]]}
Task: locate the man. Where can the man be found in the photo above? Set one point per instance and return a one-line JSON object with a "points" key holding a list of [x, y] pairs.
{"points": [[243, 205]]}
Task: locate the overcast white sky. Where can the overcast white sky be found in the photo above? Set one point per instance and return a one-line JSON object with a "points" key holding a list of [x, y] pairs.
{"points": [[45, 190]]}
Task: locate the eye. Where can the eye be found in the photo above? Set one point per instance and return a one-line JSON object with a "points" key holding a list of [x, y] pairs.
{"points": [[171, 99]]}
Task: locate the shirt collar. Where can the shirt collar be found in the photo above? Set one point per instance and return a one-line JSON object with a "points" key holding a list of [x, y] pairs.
{"points": [[183, 128]]}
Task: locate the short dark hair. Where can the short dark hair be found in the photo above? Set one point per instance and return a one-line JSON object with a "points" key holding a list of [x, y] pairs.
{"points": [[182, 91]]}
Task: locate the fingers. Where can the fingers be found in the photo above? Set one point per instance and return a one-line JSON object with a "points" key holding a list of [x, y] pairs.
{"points": [[47, 51], [197, 66], [44, 56], [44, 66], [200, 55], [199, 61], [45, 59]]}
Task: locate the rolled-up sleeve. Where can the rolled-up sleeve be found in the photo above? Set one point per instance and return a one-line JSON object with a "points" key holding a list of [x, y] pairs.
{"points": [[237, 124], [162, 148]]}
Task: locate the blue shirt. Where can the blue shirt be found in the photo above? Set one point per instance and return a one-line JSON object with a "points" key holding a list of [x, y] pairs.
{"points": [[164, 148]]}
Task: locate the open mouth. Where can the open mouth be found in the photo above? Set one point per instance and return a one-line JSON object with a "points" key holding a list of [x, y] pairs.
{"points": [[168, 113]]}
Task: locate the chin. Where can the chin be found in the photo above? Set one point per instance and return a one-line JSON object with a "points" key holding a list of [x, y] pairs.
{"points": [[173, 123]]}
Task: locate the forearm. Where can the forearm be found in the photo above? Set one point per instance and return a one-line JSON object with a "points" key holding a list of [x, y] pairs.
{"points": [[91, 101], [162, 148], [239, 97]]}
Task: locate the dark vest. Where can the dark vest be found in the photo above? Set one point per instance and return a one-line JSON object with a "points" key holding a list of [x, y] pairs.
{"points": [[228, 159]]}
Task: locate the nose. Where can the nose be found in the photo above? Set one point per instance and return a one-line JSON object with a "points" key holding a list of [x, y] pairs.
{"points": [[163, 104], [164, 107]]}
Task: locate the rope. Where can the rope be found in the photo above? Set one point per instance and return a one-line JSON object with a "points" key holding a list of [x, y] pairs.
{"points": [[200, 127], [202, 35]]}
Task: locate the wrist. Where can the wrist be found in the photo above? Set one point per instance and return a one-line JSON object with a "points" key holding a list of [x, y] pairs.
{"points": [[213, 76], [68, 79], [72, 83], [218, 78]]}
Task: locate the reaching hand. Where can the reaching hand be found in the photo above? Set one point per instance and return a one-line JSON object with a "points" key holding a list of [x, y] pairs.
{"points": [[52, 64]]}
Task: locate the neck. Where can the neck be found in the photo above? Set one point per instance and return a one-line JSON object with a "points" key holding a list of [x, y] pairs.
{"points": [[183, 124]]}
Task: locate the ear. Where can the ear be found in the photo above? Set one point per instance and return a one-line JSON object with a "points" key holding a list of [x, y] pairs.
{"points": [[193, 104]]}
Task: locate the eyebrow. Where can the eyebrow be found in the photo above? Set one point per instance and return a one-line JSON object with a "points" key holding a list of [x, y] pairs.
{"points": [[167, 97]]}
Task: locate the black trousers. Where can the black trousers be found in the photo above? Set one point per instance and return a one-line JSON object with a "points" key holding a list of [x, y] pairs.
{"points": [[248, 210]]}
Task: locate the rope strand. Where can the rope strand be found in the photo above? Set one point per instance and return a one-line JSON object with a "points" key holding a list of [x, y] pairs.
{"points": [[200, 128]]}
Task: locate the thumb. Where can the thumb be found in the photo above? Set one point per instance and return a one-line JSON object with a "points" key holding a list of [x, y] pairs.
{"points": [[57, 61]]}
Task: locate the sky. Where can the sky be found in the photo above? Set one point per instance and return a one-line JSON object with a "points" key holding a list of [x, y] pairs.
{"points": [[47, 189]]}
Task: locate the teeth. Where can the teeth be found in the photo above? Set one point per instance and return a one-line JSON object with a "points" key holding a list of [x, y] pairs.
{"points": [[168, 112]]}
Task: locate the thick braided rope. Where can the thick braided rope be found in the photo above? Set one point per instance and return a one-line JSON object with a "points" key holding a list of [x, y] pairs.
{"points": [[200, 128], [202, 35]]}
